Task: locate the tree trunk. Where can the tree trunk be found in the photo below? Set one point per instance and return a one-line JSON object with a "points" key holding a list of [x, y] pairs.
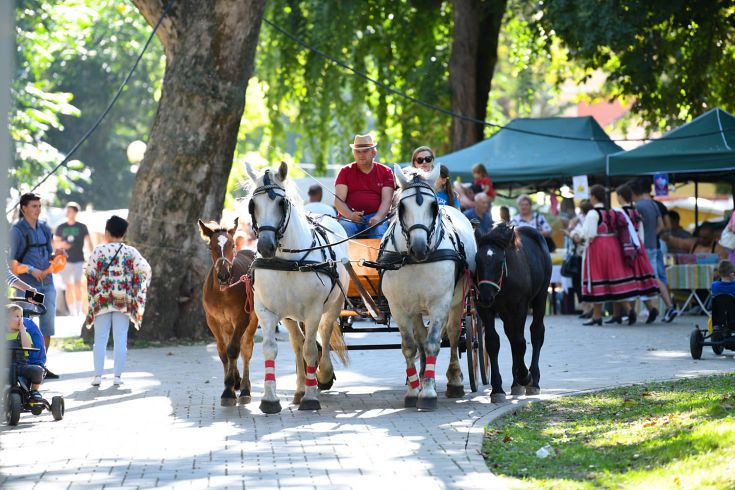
{"points": [[210, 51], [472, 63]]}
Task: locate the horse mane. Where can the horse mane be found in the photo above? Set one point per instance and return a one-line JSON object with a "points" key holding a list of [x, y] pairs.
{"points": [[501, 235], [409, 172]]}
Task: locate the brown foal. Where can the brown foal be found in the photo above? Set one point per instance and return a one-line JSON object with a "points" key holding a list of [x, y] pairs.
{"points": [[225, 302]]}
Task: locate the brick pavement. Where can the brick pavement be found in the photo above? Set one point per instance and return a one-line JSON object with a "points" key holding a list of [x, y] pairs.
{"points": [[164, 427]]}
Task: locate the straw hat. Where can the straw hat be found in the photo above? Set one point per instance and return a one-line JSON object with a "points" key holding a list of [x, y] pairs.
{"points": [[363, 141]]}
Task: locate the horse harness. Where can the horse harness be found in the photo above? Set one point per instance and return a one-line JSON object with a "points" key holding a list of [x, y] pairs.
{"points": [[393, 260], [327, 266]]}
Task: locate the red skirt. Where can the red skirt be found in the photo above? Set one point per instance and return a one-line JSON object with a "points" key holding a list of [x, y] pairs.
{"points": [[606, 276]]}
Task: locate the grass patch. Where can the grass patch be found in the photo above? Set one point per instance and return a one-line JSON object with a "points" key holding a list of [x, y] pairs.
{"points": [[69, 344], [678, 434]]}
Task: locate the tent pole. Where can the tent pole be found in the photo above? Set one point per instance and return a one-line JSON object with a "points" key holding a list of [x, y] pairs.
{"points": [[696, 203]]}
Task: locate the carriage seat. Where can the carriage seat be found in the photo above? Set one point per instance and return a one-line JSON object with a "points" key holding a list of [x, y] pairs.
{"points": [[723, 312]]}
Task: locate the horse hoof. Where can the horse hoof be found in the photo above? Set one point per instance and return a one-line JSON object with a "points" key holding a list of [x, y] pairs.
{"points": [[497, 398], [426, 404], [310, 405], [410, 401], [267, 406], [533, 390], [244, 399], [455, 391], [228, 402], [517, 390], [325, 386], [297, 397]]}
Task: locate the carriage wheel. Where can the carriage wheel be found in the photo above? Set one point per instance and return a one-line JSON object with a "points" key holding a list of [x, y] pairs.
{"points": [[482, 354], [470, 323]]}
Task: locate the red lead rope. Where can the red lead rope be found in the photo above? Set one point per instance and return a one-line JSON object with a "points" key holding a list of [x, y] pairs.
{"points": [[248, 291]]}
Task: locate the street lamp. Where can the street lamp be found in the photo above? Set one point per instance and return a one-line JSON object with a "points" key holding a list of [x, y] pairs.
{"points": [[135, 152]]}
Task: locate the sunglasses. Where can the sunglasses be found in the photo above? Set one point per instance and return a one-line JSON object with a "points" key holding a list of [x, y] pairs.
{"points": [[421, 160]]}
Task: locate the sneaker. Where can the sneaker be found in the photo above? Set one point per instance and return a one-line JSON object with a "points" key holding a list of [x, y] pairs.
{"points": [[652, 316], [96, 381], [50, 375], [118, 381], [36, 396], [670, 314]]}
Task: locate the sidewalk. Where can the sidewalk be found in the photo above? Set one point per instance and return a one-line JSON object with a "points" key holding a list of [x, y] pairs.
{"points": [[164, 427]]}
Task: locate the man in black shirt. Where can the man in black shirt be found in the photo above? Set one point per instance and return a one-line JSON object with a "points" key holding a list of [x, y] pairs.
{"points": [[72, 236]]}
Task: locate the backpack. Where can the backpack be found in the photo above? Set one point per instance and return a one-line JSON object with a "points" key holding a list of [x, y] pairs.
{"points": [[29, 243]]}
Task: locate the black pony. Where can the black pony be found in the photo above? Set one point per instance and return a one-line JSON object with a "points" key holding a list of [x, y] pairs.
{"points": [[513, 274]]}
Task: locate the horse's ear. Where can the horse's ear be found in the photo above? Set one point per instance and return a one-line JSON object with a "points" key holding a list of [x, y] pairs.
{"points": [[205, 231], [251, 172], [400, 177], [434, 174], [232, 230], [512, 238], [283, 171]]}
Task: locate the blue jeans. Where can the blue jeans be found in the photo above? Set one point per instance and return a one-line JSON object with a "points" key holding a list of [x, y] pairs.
{"points": [[656, 258], [47, 322], [354, 228], [119, 323]]}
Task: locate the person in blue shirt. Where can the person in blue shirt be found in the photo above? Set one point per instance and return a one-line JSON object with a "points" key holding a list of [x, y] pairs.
{"points": [[726, 284], [443, 187], [481, 212], [31, 244]]}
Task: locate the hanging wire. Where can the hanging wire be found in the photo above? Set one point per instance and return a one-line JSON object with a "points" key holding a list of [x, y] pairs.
{"points": [[463, 117], [102, 116]]}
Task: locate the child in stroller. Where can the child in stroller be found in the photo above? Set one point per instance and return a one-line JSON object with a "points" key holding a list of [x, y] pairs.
{"points": [[720, 334], [22, 394]]}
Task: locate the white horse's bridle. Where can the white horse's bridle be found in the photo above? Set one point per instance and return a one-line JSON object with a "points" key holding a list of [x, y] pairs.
{"points": [[270, 188]]}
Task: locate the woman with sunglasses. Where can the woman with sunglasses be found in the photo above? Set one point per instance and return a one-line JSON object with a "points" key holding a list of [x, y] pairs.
{"points": [[423, 159]]}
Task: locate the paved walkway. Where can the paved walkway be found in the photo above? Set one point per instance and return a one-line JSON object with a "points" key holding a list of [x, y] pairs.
{"points": [[164, 427]]}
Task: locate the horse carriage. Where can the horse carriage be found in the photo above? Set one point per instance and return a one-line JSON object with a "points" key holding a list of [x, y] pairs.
{"points": [[438, 281], [364, 301]]}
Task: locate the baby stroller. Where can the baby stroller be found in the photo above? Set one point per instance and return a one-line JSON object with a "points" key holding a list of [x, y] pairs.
{"points": [[720, 334], [18, 398]]}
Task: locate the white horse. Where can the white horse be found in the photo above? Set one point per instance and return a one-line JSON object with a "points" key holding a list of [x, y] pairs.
{"points": [[295, 286], [434, 244]]}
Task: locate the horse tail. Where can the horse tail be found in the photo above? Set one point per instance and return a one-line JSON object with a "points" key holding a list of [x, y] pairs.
{"points": [[337, 344]]}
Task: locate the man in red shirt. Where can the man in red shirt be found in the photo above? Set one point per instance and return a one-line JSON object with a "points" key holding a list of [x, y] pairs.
{"points": [[364, 190]]}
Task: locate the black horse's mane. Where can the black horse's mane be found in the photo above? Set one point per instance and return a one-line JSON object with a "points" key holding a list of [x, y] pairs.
{"points": [[502, 236]]}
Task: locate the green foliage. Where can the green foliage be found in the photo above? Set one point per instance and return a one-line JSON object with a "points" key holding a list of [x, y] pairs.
{"points": [[38, 105], [404, 44], [85, 48], [531, 68], [674, 59], [662, 435]]}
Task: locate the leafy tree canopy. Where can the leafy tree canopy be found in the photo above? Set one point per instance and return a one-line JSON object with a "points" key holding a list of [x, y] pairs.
{"points": [[79, 51], [675, 59]]}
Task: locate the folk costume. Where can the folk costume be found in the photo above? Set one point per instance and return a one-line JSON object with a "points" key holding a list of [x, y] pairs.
{"points": [[606, 276]]}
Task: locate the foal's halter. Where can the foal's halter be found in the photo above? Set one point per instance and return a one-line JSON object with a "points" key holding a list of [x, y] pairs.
{"points": [[503, 274], [270, 188], [422, 189]]}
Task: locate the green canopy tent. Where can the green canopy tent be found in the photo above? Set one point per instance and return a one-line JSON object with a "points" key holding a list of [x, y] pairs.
{"points": [[537, 151], [704, 145], [702, 149]]}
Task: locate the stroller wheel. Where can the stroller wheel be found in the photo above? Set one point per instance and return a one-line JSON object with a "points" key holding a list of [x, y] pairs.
{"points": [[13, 409], [696, 339], [717, 349], [57, 407]]}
